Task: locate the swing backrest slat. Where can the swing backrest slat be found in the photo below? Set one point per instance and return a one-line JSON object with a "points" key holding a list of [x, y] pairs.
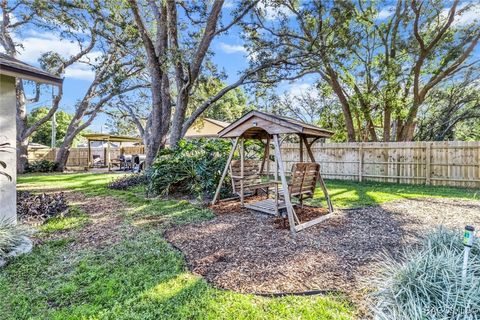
{"points": [[251, 174]]}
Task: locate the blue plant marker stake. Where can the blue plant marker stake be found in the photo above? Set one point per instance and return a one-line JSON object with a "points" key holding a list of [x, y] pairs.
{"points": [[468, 236]]}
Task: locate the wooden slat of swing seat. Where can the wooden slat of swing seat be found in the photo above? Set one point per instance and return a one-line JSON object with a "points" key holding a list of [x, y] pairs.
{"points": [[253, 187], [266, 206]]}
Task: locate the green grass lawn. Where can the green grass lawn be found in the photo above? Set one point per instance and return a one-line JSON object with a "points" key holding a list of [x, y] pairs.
{"points": [[143, 277], [352, 194]]}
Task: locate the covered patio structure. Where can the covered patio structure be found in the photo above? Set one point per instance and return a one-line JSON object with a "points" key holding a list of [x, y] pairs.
{"points": [[108, 138]]}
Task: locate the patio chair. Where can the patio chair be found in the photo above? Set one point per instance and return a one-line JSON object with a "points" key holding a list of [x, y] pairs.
{"points": [[97, 160]]}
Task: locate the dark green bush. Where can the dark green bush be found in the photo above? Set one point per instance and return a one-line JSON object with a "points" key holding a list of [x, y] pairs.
{"points": [[127, 181], [193, 169], [41, 166]]}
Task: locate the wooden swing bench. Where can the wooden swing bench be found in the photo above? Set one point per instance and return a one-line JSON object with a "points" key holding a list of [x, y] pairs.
{"points": [[247, 175], [301, 186]]}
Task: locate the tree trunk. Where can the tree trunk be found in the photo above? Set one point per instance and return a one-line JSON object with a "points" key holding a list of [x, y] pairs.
{"points": [[160, 117], [387, 118], [61, 158], [408, 128], [333, 81], [365, 106], [178, 119], [22, 155], [64, 150], [153, 136]]}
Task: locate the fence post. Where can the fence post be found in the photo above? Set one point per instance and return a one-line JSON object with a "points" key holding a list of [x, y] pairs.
{"points": [[428, 163], [360, 162]]}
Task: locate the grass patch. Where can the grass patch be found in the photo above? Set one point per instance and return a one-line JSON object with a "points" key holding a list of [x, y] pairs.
{"points": [[75, 219], [90, 184], [352, 194]]}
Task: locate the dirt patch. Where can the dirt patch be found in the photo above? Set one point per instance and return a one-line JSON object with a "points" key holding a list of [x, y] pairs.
{"points": [[247, 252], [105, 225]]}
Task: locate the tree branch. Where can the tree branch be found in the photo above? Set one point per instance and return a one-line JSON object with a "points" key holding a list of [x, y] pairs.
{"points": [[207, 38], [51, 111], [238, 18]]}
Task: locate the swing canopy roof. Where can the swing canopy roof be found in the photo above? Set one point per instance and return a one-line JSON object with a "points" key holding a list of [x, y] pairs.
{"points": [[261, 125]]}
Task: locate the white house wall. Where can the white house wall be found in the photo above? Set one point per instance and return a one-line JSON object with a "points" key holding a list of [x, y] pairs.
{"points": [[7, 135]]}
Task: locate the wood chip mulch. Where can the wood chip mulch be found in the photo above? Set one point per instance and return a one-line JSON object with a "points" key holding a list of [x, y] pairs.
{"points": [[248, 252]]}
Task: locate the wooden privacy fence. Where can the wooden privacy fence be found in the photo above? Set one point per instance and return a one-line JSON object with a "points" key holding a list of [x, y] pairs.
{"points": [[450, 163], [78, 157]]}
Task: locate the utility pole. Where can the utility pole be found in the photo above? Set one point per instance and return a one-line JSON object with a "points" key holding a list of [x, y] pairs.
{"points": [[54, 131]]}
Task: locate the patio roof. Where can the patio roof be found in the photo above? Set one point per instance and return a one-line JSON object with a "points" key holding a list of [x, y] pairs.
{"points": [[110, 137], [15, 68]]}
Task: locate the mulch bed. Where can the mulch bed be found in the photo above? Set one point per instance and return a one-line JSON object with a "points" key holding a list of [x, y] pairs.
{"points": [[251, 252]]}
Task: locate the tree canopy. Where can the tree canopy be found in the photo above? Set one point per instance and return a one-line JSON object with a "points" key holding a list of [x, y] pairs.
{"points": [[43, 134], [376, 70], [381, 69]]}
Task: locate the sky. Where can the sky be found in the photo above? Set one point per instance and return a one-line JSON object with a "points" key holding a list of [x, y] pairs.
{"points": [[229, 55]]}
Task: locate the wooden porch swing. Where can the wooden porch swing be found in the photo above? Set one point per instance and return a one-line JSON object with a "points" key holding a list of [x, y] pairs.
{"points": [[247, 175]]}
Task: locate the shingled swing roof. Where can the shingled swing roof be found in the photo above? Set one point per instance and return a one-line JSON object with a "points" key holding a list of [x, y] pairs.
{"points": [[257, 124]]}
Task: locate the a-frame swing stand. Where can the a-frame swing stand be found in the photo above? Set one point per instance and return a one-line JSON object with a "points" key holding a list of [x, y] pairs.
{"points": [[262, 126]]}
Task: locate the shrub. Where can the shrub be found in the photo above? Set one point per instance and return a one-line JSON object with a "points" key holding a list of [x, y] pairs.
{"points": [[127, 181], [41, 166], [11, 236], [425, 282], [38, 208], [193, 168]]}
